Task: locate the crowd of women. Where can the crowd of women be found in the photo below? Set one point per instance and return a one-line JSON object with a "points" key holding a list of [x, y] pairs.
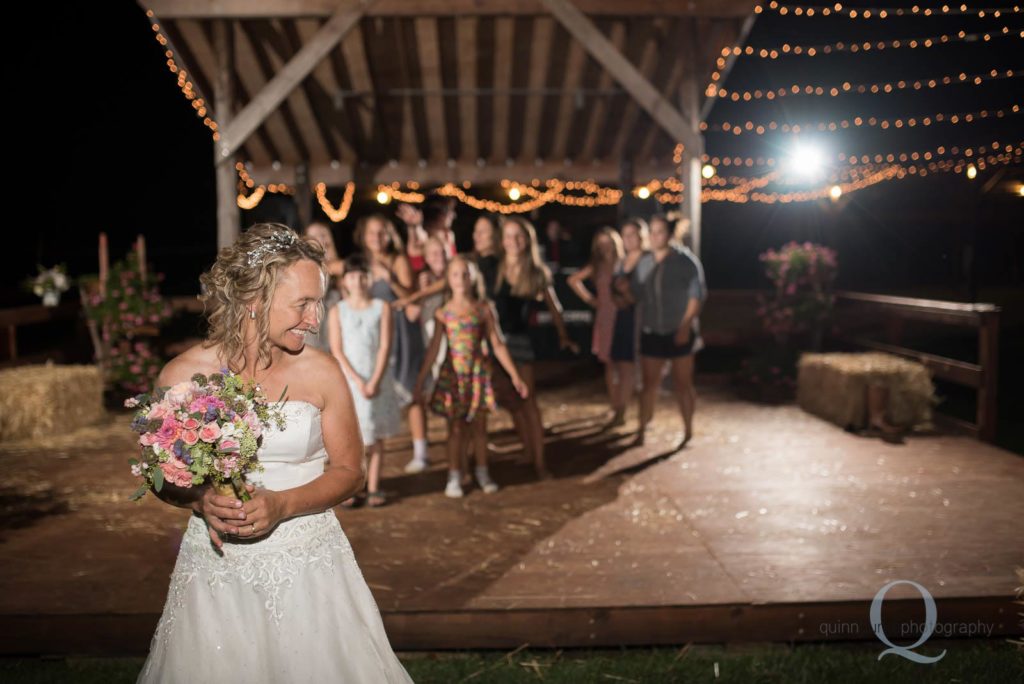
{"points": [[417, 327]]}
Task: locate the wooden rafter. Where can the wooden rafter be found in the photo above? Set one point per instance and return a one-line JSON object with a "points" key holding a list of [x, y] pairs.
{"points": [[430, 70], [465, 50], [504, 28], [288, 78], [540, 52], [601, 49], [407, 8]]}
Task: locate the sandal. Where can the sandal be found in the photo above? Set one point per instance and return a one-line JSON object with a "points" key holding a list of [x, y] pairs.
{"points": [[376, 499]]}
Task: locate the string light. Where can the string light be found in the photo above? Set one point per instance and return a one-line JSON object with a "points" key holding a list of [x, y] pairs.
{"points": [[184, 84], [707, 171], [847, 87], [395, 192], [884, 12], [383, 197], [857, 46], [643, 192], [764, 128], [972, 171], [339, 214]]}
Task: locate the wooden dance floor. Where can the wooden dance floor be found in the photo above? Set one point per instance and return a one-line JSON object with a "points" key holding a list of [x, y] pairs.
{"points": [[772, 525]]}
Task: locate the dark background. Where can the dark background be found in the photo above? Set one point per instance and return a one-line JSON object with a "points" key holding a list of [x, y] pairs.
{"points": [[99, 138]]}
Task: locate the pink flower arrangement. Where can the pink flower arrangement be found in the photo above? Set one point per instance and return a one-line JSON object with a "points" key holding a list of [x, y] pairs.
{"points": [[205, 430]]}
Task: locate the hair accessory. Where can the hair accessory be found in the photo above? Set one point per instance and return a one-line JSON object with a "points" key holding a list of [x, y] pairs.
{"points": [[274, 243]]}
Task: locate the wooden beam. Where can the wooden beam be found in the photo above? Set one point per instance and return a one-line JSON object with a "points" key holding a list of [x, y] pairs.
{"points": [[273, 94], [228, 219], [192, 39], [601, 49], [573, 75], [247, 37], [600, 108], [438, 173], [689, 104], [249, 76], [624, 125], [205, 9], [429, 52], [465, 47], [355, 65], [540, 52], [504, 28]]}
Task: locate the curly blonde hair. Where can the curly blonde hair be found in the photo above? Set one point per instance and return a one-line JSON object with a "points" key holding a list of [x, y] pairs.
{"points": [[247, 272]]}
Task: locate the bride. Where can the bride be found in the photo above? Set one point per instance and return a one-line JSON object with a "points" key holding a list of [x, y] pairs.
{"points": [[269, 590]]}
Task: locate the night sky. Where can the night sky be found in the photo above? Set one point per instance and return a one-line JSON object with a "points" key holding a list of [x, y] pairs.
{"points": [[106, 141]]}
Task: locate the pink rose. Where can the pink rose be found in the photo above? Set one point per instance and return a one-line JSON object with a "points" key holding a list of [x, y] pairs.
{"points": [[147, 439], [228, 444], [168, 433], [253, 421], [181, 393], [226, 465], [189, 437], [158, 412], [209, 432], [190, 424], [176, 472]]}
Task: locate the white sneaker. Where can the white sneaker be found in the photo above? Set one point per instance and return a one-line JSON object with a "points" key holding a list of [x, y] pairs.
{"points": [[416, 465], [483, 478], [453, 490]]}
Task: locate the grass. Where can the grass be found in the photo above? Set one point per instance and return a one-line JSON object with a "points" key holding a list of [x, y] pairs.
{"points": [[992, 662]]}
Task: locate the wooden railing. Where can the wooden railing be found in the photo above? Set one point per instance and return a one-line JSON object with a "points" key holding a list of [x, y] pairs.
{"points": [[17, 317], [981, 376]]}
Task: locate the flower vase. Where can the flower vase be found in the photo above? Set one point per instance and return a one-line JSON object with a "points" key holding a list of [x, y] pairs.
{"points": [[51, 298]]}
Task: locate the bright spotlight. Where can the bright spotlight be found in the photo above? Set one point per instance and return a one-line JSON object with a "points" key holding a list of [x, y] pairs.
{"points": [[835, 192], [643, 192], [806, 162], [972, 171], [708, 171], [1020, 191], [513, 193], [383, 197]]}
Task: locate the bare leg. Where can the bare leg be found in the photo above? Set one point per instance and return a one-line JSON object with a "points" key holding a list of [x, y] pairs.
{"points": [[376, 453], [456, 430], [651, 368], [479, 428], [612, 386], [686, 395], [627, 382], [530, 412], [417, 421]]}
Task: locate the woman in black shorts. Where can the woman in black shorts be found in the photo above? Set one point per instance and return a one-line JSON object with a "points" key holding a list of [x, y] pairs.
{"points": [[668, 284]]}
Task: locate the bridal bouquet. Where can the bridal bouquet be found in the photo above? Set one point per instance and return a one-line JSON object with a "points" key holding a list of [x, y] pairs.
{"points": [[206, 430]]}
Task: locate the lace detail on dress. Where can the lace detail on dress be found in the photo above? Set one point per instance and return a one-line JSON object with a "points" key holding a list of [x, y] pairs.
{"points": [[268, 565]]}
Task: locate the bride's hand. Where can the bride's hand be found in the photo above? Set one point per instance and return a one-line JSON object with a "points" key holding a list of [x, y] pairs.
{"points": [[223, 514], [262, 513]]}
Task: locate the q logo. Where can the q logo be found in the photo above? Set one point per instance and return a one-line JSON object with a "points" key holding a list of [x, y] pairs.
{"points": [[930, 614]]}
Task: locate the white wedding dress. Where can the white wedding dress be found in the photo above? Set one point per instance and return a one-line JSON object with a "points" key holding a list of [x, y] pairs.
{"points": [[285, 608]]}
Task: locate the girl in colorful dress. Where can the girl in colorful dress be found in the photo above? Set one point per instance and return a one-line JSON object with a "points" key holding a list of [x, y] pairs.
{"points": [[605, 254], [359, 330], [463, 392]]}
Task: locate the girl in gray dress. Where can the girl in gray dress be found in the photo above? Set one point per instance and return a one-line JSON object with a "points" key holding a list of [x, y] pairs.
{"points": [[391, 277]]}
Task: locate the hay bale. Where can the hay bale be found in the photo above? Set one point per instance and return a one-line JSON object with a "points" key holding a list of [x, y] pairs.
{"points": [[834, 387], [40, 400]]}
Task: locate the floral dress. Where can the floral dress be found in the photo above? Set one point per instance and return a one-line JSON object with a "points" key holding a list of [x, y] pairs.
{"points": [[463, 387]]}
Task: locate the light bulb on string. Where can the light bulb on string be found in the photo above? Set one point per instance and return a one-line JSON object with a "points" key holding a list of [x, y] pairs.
{"points": [[707, 171]]}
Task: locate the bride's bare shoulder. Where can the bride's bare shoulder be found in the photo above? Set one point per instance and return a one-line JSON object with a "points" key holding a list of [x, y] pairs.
{"points": [[196, 359]]}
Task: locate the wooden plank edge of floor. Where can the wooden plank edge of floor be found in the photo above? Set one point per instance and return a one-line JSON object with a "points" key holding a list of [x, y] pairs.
{"points": [[973, 617]]}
